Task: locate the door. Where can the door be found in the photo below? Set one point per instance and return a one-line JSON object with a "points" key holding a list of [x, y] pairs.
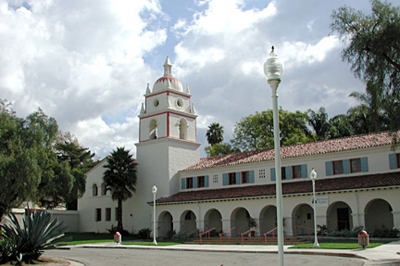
{"points": [[343, 218]]}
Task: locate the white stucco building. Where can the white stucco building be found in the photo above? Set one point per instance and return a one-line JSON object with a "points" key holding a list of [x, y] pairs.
{"points": [[358, 180]]}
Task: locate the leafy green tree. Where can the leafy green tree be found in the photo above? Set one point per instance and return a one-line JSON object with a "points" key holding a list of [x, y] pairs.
{"points": [[256, 132], [370, 112], [215, 134], [220, 149], [374, 52], [19, 169], [319, 122], [340, 126], [56, 179], [80, 160], [28, 165], [120, 178]]}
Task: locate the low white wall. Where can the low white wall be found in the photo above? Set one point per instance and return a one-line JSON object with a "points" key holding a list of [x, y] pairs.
{"points": [[69, 218]]}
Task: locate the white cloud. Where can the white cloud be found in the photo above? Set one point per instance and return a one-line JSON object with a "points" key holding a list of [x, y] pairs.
{"points": [[87, 62]]}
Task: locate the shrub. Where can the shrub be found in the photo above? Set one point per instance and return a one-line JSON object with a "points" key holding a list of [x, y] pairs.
{"points": [[144, 233], [180, 236], [27, 241], [385, 232], [170, 234], [346, 232], [114, 229]]}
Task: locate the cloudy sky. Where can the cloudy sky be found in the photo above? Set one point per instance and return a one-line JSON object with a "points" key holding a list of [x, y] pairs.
{"points": [[87, 62]]}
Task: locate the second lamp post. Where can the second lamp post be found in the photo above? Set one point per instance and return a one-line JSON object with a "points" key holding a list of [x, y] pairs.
{"points": [[313, 176]]}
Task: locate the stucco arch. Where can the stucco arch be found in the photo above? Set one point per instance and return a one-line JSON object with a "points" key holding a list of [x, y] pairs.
{"points": [[183, 125], [267, 220], [302, 219], [378, 214], [188, 222], [213, 219], [339, 216], [165, 224], [239, 220], [95, 190], [153, 130]]}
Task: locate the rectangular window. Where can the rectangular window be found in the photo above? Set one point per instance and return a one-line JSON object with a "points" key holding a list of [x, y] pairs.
{"points": [[189, 182], [232, 178], [261, 173], [97, 217], [337, 167], [283, 173], [398, 160], [296, 170], [355, 165], [245, 177], [215, 178], [108, 214], [200, 181]]}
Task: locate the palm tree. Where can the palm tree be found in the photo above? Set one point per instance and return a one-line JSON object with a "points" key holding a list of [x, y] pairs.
{"points": [[120, 178], [371, 110], [319, 122], [215, 134]]}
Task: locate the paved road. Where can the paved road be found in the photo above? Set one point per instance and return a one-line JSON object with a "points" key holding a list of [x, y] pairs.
{"points": [[144, 257]]}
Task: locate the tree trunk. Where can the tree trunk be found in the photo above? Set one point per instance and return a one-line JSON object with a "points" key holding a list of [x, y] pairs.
{"points": [[119, 215]]}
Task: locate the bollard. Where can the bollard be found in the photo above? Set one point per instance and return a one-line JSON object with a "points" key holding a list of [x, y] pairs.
{"points": [[117, 238], [363, 239]]}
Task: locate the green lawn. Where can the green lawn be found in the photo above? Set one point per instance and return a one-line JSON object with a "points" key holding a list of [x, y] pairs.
{"points": [[92, 238], [338, 245]]}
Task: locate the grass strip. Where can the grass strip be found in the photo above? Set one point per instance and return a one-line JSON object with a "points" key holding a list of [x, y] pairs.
{"points": [[337, 245]]}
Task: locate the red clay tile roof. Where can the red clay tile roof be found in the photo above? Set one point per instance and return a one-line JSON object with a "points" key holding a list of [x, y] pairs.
{"points": [[288, 188], [307, 149]]}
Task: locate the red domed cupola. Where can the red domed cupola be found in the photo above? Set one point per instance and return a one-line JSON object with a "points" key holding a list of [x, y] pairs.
{"points": [[167, 82]]}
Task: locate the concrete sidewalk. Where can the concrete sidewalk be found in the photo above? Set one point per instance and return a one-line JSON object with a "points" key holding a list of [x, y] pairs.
{"points": [[387, 254]]}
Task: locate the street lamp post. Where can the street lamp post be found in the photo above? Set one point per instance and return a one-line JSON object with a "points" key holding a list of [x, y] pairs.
{"points": [[154, 190], [273, 71], [313, 176]]}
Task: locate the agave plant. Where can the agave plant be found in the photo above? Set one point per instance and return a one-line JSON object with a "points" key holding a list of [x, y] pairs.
{"points": [[28, 240]]}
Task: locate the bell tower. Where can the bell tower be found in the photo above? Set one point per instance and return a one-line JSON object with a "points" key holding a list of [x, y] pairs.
{"points": [[167, 135], [167, 111]]}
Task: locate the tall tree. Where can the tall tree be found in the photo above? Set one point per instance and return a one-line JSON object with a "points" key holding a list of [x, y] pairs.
{"points": [[28, 166], [215, 134], [370, 110], [120, 178], [374, 51], [319, 122], [80, 160], [56, 179], [256, 132]]}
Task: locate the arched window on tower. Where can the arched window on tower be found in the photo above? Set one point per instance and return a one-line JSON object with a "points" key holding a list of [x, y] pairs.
{"points": [[183, 129], [153, 129]]}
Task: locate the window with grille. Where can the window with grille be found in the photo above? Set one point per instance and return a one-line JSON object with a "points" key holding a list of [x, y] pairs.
{"points": [[215, 178], [261, 173]]}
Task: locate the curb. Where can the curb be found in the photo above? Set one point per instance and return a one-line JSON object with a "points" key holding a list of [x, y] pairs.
{"points": [[299, 252]]}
